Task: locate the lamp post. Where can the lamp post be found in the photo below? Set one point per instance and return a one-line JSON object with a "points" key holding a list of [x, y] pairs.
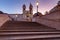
{"points": [[37, 6]]}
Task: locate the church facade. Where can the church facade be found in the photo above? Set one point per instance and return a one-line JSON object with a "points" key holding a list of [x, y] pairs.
{"points": [[28, 14], [25, 16]]}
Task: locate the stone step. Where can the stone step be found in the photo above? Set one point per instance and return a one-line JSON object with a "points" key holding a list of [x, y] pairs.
{"points": [[29, 30], [28, 33], [16, 30], [29, 37], [25, 26]]}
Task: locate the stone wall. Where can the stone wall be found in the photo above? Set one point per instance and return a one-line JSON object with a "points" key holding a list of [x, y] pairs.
{"points": [[54, 16], [18, 17], [49, 23], [3, 19]]}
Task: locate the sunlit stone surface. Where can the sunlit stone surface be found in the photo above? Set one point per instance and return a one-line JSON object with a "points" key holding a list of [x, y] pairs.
{"points": [[3, 19], [52, 19]]}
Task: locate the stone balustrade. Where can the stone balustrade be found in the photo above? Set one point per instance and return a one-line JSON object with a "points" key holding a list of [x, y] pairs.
{"points": [[3, 19]]}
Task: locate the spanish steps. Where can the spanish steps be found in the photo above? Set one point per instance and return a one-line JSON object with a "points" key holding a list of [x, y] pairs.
{"points": [[20, 30]]}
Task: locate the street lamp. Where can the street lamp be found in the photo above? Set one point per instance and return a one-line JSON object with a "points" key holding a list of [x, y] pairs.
{"points": [[37, 6]]}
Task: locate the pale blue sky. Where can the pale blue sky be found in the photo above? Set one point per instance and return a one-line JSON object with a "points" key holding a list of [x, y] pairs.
{"points": [[15, 6]]}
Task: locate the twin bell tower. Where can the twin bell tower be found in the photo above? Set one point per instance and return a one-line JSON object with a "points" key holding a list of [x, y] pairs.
{"points": [[28, 14]]}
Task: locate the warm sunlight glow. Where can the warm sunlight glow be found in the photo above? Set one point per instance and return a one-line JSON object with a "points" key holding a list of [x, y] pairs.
{"points": [[41, 11], [16, 15], [37, 3]]}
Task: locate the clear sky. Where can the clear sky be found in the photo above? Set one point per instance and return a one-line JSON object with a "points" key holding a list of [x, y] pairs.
{"points": [[15, 6]]}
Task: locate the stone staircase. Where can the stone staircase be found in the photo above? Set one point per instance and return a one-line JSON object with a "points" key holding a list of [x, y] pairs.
{"points": [[19, 30], [25, 26], [29, 35]]}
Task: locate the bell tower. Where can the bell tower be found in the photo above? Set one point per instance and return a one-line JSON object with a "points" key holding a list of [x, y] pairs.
{"points": [[24, 8], [31, 8], [24, 11], [30, 12]]}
